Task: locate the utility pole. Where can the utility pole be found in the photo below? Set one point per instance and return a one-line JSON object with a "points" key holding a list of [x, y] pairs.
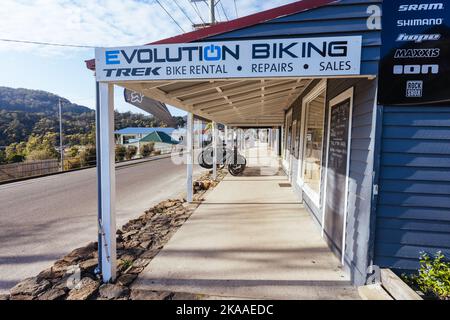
{"points": [[61, 137], [212, 14]]}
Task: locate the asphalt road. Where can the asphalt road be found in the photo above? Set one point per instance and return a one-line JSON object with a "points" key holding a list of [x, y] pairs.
{"points": [[43, 219]]}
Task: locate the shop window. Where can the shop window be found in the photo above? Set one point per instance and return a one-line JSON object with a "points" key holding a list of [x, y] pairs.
{"points": [[313, 143]]}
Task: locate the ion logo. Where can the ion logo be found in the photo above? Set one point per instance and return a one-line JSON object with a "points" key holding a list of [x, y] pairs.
{"points": [[417, 69], [418, 38], [421, 7]]}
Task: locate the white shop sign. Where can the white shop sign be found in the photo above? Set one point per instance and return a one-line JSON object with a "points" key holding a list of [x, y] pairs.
{"points": [[296, 57]]}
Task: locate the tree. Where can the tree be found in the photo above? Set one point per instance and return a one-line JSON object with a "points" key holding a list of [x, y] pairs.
{"points": [[131, 152], [2, 156], [120, 153], [73, 152], [15, 152], [146, 149], [88, 156], [41, 147]]}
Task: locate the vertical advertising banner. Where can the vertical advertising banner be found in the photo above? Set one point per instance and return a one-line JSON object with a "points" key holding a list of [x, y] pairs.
{"points": [[415, 52]]}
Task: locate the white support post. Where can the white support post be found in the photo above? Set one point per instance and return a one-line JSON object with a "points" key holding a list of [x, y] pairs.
{"points": [[107, 185], [190, 156], [226, 135], [214, 142]]}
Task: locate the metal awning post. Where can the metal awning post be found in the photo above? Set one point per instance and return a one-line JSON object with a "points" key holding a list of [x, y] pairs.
{"points": [[214, 143], [107, 183], [190, 156]]}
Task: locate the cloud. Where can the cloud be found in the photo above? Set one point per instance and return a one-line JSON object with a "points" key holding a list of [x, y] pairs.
{"points": [[104, 22]]}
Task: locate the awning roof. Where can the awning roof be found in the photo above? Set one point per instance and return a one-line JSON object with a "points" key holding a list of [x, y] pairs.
{"points": [[238, 102], [231, 102]]}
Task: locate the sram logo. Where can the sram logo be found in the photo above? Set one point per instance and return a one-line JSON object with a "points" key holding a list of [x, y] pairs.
{"points": [[416, 69], [421, 7]]}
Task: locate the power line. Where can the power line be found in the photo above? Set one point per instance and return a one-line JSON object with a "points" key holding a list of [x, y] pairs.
{"points": [[47, 43], [173, 19], [223, 9], [235, 9], [184, 12], [196, 10]]}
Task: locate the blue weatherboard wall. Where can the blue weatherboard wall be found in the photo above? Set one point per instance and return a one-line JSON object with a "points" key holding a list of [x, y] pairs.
{"points": [[414, 201], [344, 18]]}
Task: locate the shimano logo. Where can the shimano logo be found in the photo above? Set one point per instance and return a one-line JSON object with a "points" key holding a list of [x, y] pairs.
{"points": [[417, 53], [420, 22], [421, 7], [418, 38], [416, 69]]}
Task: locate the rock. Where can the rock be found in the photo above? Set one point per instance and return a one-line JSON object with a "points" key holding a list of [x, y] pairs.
{"points": [[145, 244], [131, 244], [139, 263], [149, 295], [145, 236], [4, 297], [50, 274], [126, 279], [150, 254], [83, 253], [83, 290], [135, 270], [89, 265], [30, 286], [52, 294], [113, 291], [185, 296], [129, 234], [168, 204], [21, 297]]}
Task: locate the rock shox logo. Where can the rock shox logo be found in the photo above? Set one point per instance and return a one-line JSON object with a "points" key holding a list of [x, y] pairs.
{"points": [[421, 7], [414, 89], [417, 53]]}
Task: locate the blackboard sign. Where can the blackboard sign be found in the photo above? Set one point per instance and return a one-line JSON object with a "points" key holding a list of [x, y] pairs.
{"points": [[337, 171], [415, 52]]}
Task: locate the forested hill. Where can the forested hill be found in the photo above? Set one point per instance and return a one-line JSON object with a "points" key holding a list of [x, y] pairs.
{"points": [[24, 112], [35, 101]]}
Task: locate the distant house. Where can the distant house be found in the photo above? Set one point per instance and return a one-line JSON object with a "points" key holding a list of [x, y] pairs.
{"points": [[161, 141], [123, 136]]}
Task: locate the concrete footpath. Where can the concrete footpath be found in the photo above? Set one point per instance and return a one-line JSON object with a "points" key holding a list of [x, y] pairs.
{"points": [[250, 238]]}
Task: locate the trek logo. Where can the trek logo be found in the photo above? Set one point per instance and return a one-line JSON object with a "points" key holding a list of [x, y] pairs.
{"points": [[418, 38], [417, 53], [421, 7], [416, 69]]}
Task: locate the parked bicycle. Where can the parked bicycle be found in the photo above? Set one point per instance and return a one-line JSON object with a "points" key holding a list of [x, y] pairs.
{"points": [[231, 158]]}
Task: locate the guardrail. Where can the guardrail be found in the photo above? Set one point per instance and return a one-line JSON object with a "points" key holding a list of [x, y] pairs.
{"points": [[36, 168]]}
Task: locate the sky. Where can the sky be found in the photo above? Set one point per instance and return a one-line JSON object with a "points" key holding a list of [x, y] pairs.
{"points": [[94, 23]]}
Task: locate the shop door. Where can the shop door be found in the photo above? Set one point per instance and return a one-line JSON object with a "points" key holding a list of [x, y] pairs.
{"points": [[337, 167]]}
